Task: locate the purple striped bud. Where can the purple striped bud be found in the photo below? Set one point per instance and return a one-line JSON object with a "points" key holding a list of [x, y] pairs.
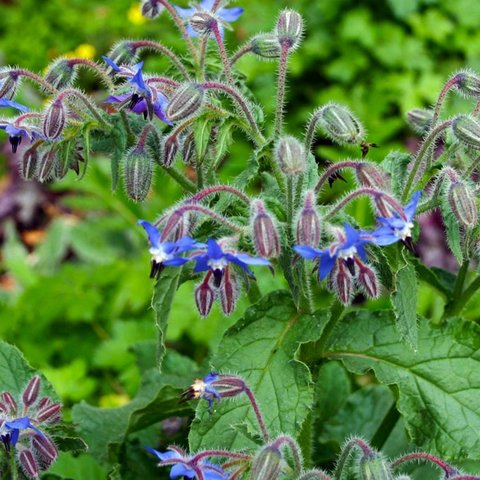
{"points": [[265, 233], [151, 9], [374, 467], [30, 394], [467, 83], [61, 73], [28, 463], [204, 296], [369, 175], [463, 203], [3, 408], [228, 292], [267, 464], [123, 52], [189, 149], [420, 119], [170, 149], [367, 279], [54, 120], [9, 402], [9, 82], [308, 222], [466, 130], [138, 173], [203, 23], [44, 446], [49, 413], [186, 101], [290, 155], [43, 402], [266, 45], [29, 163], [342, 282], [341, 125], [289, 29], [46, 165]]}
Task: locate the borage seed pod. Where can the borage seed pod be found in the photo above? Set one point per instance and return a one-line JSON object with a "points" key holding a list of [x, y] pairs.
{"points": [[307, 231], [205, 296], [170, 149], [369, 175], [28, 463], [290, 155], [420, 119], [29, 163], [47, 164], [267, 464], [9, 83], [228, 292], [467, 83], [203, 23], [289, 29]]}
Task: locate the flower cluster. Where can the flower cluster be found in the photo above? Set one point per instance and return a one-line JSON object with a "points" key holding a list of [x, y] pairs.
{"points": [[22, 425]]}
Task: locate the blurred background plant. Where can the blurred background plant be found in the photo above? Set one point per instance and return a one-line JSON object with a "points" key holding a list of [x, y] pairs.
{"points": [[80, 243]]}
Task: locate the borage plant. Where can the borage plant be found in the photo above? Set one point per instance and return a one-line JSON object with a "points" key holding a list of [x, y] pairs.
{"points": [[311, 364]]}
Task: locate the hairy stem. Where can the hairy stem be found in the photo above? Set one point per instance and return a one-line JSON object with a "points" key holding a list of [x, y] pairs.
{"points": [[215, 189], [335, 167], [243, 50], [95, 68], [282, 78], [223, 54]]}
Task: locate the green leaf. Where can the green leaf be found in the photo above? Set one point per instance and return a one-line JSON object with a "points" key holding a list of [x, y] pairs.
{"points": [[452, 229], [119, 139], [395, 163], [440, 279], [163, 295], [261, 348], [202, 132], [404, 301], [438, 385]]}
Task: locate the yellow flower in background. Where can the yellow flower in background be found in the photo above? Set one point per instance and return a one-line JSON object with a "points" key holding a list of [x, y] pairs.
{"points": [[134, 15], [84, 50]]}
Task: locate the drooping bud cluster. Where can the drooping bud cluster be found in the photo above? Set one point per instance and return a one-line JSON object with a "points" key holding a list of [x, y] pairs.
{"points": [[151, 9], [467, 83], [466, 130], [9, 83], [340, 124], [22, 428], [61, 73], [420, 119], [185, 102], [369, 175]]}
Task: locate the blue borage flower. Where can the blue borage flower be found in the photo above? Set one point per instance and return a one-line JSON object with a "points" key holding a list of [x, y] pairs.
{"points": [[399, 226], [16, 133], [4, 102], [11, 429], [166, 254], [348, 246], [203, 388], [225, 15], [216, 260], [186, 466]]}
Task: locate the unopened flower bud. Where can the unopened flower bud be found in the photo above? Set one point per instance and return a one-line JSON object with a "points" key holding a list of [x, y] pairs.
{"points": [[341, 125], [186, 101], [170, 149], [367, 280], [188, 149], [463, 203], [49, 413], [342, 282], [467, 83], [369, 175], [374, 467], [228, 292], [9, 82], [265, 233], [152, 8], [290, 155], [29, 163], [123, 52], [203, 22], [265, 45], [267, 464], [46, 165], [420, 119], [467, 130], [45, 447], [204, 297], [308, 222], [30, 394], [28, 463], [138, 173], [9, 402], [289, 28], [54, 120], [61, 73]]}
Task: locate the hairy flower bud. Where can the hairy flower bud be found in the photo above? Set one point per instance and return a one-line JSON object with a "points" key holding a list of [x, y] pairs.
{"points": [[186, 101], [342, 282], [122, 52], [467, 83], [30, 393], [420, 119], [374, 467], [45, 447], [54, 120], [463, 203], [204, 297], [61, 73], [9, 403], [308, 222], [188, 149], [170, 149], [267, 464], [49, 413], [367, 280], [289, 28], [151, 9], [290, 155], [369, 175], [228, 292], [265, 45], [28, 463], [138, 173], [340, 124], [46, 165], [29, 163], [265, 233], [466, 130], [9, 82], [203, 23]]}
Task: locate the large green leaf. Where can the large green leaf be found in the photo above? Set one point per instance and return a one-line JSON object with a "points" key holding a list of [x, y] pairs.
{"points": [[438, 385], [261, 348]]}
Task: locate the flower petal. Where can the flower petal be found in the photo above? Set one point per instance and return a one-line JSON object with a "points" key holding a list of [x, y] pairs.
{"points": [[412, 205], [307, 252], [111, 63], [4, 102], [326, 264], [230, 14], [152, 232]]}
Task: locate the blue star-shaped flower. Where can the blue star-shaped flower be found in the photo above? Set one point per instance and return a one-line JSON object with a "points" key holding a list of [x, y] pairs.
{"points": [[352, 244], [16, 133], [203, 388], [159, 105], [225, 15], [166, 254], [398, 227], [182, 465], [216, 260], [12, 429]]}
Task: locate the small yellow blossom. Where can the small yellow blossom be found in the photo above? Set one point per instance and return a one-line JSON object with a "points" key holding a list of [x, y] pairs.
{"points": [[135, 15], [85, 50]]}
